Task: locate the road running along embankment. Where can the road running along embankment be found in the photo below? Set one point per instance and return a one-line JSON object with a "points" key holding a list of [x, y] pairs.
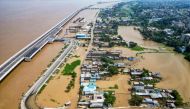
{"points": [[34, 47], [44, 78]]}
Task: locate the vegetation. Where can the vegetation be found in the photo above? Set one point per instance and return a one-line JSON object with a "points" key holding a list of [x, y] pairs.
{"points": [[42, 88], [72, 82], [109, 98], [187, 56], [145, 73], [69, 68], [113, 70], [135, 100], [168, 25], [115, 87], [137, 48], [177, 97], [153, 81], [107, 60], [134, 46]]}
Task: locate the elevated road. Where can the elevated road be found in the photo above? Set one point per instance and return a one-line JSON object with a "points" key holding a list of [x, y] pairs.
{"points": [[40, 82], [34, 47]]}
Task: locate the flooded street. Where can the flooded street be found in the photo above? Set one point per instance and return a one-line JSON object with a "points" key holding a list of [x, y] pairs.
{"points": [[174, 69]]}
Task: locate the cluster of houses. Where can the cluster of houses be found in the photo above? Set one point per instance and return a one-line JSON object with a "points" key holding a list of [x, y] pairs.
{"points": [[90, 96], [95, 54], [105, 32], [143, 84]]}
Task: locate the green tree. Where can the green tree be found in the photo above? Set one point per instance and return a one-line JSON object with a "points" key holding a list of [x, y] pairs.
{"points": [[177, 97], [109, 98], [113, 70], [135, 100], [187, 56]]}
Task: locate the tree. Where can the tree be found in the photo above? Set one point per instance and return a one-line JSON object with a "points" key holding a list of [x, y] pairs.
{"points": [[113, 70], [132, 44], [135, 100], [187, 56], [177, 97], [109, 98], [107, 60], [145, 73]]}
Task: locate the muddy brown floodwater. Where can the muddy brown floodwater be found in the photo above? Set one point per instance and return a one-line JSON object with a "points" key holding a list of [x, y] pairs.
{"points": [[17, 83], [174, 69]]}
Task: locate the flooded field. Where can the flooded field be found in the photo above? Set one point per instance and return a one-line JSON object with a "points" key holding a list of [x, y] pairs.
{"points": [[174, 69], [17, 83], [54, 94], [122, 94]]}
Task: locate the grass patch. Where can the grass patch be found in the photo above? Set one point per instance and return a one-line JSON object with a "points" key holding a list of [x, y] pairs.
{"points": [[137, 48], [69, 68]]}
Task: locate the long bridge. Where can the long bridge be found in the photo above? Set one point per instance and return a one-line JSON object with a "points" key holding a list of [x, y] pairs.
{"points": [[27, 53]]}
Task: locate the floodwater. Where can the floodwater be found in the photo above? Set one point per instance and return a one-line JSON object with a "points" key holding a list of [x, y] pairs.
{"points": [[18, 81], [174, 69], [21, 22]]}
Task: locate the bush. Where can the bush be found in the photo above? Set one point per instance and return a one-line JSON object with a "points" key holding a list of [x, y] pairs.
{"points": [[135, 100], [113, 70], [187, 56], [137, 48], [177, 97], [116, 86], [74, 75], [109, 98], [145, 73], [107, 60], [132, 44]]}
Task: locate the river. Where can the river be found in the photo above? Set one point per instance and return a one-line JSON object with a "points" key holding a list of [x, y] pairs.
{"points": [[22, 21], [174, 69]]}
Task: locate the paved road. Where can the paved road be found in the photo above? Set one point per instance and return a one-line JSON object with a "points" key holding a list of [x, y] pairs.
{"points": [[36, 87]]}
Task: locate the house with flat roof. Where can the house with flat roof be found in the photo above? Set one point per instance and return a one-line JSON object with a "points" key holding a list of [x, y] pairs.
{"points": [[90, 88], [82, 36]]}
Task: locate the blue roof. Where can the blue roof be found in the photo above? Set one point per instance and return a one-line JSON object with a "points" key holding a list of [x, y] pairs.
{"points": [[90, 87], [82, 36]]}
